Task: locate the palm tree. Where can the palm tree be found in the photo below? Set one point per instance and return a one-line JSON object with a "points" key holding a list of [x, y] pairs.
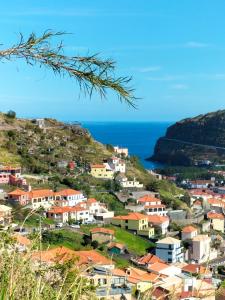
{"points": [[90, 72]]}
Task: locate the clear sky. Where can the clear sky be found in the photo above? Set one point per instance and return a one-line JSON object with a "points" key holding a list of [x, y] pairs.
{"points": [[174, 49]]}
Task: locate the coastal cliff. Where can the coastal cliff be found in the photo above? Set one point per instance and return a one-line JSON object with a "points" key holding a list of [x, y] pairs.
{"points": [[192, 141]]}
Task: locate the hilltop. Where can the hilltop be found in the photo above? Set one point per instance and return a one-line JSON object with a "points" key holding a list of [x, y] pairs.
{"points": [[193, 140], [40, 149]]}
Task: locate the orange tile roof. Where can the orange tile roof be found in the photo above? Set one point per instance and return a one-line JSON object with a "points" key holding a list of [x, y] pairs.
{"points": [[148, 198], [158, 267], [131, 216], [135, 275], [41, 193], [22, 240], [62, 254], [98, 166], [195, 268], [18, 192], [91, 200], [149, 259], [65, 209], [102, 230], [155, 206], [212, 215], [158, 219], [217, 202], [67, 192], [189, 229]]}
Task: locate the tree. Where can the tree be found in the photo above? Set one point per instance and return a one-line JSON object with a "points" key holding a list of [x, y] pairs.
{"points": [[90, 72], [11, 114]]}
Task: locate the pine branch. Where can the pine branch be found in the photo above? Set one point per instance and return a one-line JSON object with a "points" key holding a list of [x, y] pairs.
{"points": [[90, 72]]}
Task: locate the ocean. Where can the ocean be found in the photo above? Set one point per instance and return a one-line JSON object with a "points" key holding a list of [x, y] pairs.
{"points": [[138, 137]]}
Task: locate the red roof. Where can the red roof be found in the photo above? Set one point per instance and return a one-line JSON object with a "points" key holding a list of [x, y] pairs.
{"points": [[67, 192], [102, 230], [149, 259], [212, 215], [65, 209], [91, 200], [98, 166], [131, 216], [148, 198], [18, 192], [155, 206], [41, 193], [158, 219], [62, 254], [195, 269], [189, 229]]}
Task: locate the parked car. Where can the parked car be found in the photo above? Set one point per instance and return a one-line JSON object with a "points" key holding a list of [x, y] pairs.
{"points": [[75, 226], [59, 225]]}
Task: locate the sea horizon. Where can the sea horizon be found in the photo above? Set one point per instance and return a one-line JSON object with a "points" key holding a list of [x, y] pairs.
{"points": [[139, 137]]}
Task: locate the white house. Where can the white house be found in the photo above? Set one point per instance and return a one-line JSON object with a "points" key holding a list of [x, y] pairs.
{"points": [[121, 151], [72, 197], [116, 165], [188, 232], [125, 183], [64, 214], [170, 250], [200, 248], [152, 205], [161, 222]]}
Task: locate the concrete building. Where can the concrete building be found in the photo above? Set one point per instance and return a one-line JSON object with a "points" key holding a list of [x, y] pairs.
{"points": [[200, 248], [216, 221], [121, 151], [102, 235], [101, 171], [188, 232], [160, 222], [152, 205], [136, 222], [170, 250]]}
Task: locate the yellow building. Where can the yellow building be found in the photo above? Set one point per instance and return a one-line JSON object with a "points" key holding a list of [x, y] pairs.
{"points": [[100, 171], [135, 222], [216, 220]]}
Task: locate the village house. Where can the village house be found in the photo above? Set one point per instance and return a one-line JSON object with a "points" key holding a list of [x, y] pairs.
{"points": [[7, 171], [200, 250], [121, 151], [101, 171], [146, 261], [41, 198], [201, 184], [98, 210], [216, 220], [170, 250], [102, 235], [125, 183], [188, 232], [115, 248], [164, 269], [159, 222], [116, 165], [72, 197], [5, 215], [65, 213], [135, 222], [19, 196], [152, 205]]}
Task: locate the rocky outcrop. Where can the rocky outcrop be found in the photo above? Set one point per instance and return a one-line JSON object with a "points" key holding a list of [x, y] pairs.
{"points": [[193, 140]]}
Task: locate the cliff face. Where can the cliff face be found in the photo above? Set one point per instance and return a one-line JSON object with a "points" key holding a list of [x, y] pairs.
{"points": [[192, 140]]}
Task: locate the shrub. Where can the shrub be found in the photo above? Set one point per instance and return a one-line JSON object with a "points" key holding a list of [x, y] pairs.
{"points": [[11, 114]]}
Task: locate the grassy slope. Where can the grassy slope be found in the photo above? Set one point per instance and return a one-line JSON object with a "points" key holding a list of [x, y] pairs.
{"points": [[135, 244]]}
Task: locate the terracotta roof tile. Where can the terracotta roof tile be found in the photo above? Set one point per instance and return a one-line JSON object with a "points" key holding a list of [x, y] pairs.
{"points": [[131, 216], [189, 229], [102, 230]]}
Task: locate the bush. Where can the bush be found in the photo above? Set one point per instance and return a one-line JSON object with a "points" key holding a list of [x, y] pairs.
{"points": [[11, 114]]}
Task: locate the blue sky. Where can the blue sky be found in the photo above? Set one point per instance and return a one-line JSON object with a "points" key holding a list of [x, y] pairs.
{"points": [[175, 51]]}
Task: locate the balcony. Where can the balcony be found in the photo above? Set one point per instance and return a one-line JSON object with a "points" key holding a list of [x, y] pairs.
{"points": [[113, 291]]}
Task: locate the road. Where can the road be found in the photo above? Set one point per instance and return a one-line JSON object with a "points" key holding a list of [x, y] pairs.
{"points": [[195, 144]]}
